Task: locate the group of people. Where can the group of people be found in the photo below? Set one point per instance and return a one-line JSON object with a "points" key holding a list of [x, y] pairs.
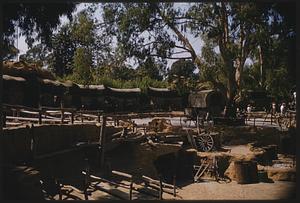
{"points": [[282, 108]]}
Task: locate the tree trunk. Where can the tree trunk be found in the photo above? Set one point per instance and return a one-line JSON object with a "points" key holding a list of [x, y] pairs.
{"points": [[180, 36]]}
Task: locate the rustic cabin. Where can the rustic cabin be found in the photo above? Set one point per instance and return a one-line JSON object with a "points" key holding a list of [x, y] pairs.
{"points": [[126, 100], [164, 99], [14, 89], [92, 97], [212, 101]]}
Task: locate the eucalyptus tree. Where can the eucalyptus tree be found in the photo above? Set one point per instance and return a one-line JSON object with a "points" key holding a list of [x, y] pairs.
{"points": [[34, 20], [145, 30]]}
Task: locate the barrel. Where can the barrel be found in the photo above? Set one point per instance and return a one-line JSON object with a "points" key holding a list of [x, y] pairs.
{"points": [[246, 172]]}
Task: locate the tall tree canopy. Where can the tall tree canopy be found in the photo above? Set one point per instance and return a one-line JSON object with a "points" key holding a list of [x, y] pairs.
{"points": [[35, 20], [237, 30]]}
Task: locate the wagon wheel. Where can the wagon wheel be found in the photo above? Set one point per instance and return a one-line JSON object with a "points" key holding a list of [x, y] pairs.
{"points": [[205, 142]]}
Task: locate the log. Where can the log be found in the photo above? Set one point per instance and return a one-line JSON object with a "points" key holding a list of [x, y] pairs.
{"points": [[96, 178], [126, 175], [156, 182], [32, 119]]}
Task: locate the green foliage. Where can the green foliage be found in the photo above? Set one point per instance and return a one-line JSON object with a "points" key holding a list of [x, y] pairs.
{"points": [[82, 66], [61, 58], [277, 83], [9, 51], [182, 69], [152, 69], [38, 54], [35, 20]]}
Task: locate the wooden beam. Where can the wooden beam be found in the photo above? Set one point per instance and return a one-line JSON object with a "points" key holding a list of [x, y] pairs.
{"points": [[157, 182], [122, 174], [102, 142]]}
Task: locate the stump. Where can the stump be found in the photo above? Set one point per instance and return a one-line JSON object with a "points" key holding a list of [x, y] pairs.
{"points": [[246, 172]]}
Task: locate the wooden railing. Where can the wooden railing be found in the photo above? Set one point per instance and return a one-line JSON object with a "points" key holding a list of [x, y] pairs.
{"points": [[283, 121], [20, 114]]}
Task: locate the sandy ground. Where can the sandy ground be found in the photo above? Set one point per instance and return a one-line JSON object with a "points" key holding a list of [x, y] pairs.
{"points": [[210, 190], [233, 191]]}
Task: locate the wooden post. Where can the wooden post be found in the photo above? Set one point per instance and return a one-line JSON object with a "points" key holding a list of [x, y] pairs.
{"points": [[130, 190], [40, 116], [254, 120], [4, 118], [102, 141], [33, 142], [290, 119], [59, 189], [72, 117], [86, 180], [62, 109], [174, 185], [81, 117], [160, 188], [98, 117], [271, 118], [62, 116]]}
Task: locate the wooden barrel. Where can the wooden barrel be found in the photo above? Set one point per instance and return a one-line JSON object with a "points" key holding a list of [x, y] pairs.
{"points": [[246, 172]]}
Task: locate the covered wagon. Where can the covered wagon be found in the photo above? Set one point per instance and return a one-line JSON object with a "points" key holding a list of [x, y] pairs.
{"points": [[92, 97], [200, 103], [123, 100], [164, 99]]}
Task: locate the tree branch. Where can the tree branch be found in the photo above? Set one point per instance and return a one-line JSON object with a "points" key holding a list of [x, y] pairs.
{"points": [[178, 33], [156, 55]]}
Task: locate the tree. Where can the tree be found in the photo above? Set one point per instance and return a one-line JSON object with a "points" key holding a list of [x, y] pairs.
{"points": [[143, 30], [63, 50], [35, 20], [81, 32], [152, 69], [38, 55], [182, 68], [158, 30], [82, 66], [232, 27]]}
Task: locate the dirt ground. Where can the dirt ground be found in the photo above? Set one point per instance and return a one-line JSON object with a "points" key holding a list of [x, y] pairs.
{"points": [[233, 191], [131, 158]]}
